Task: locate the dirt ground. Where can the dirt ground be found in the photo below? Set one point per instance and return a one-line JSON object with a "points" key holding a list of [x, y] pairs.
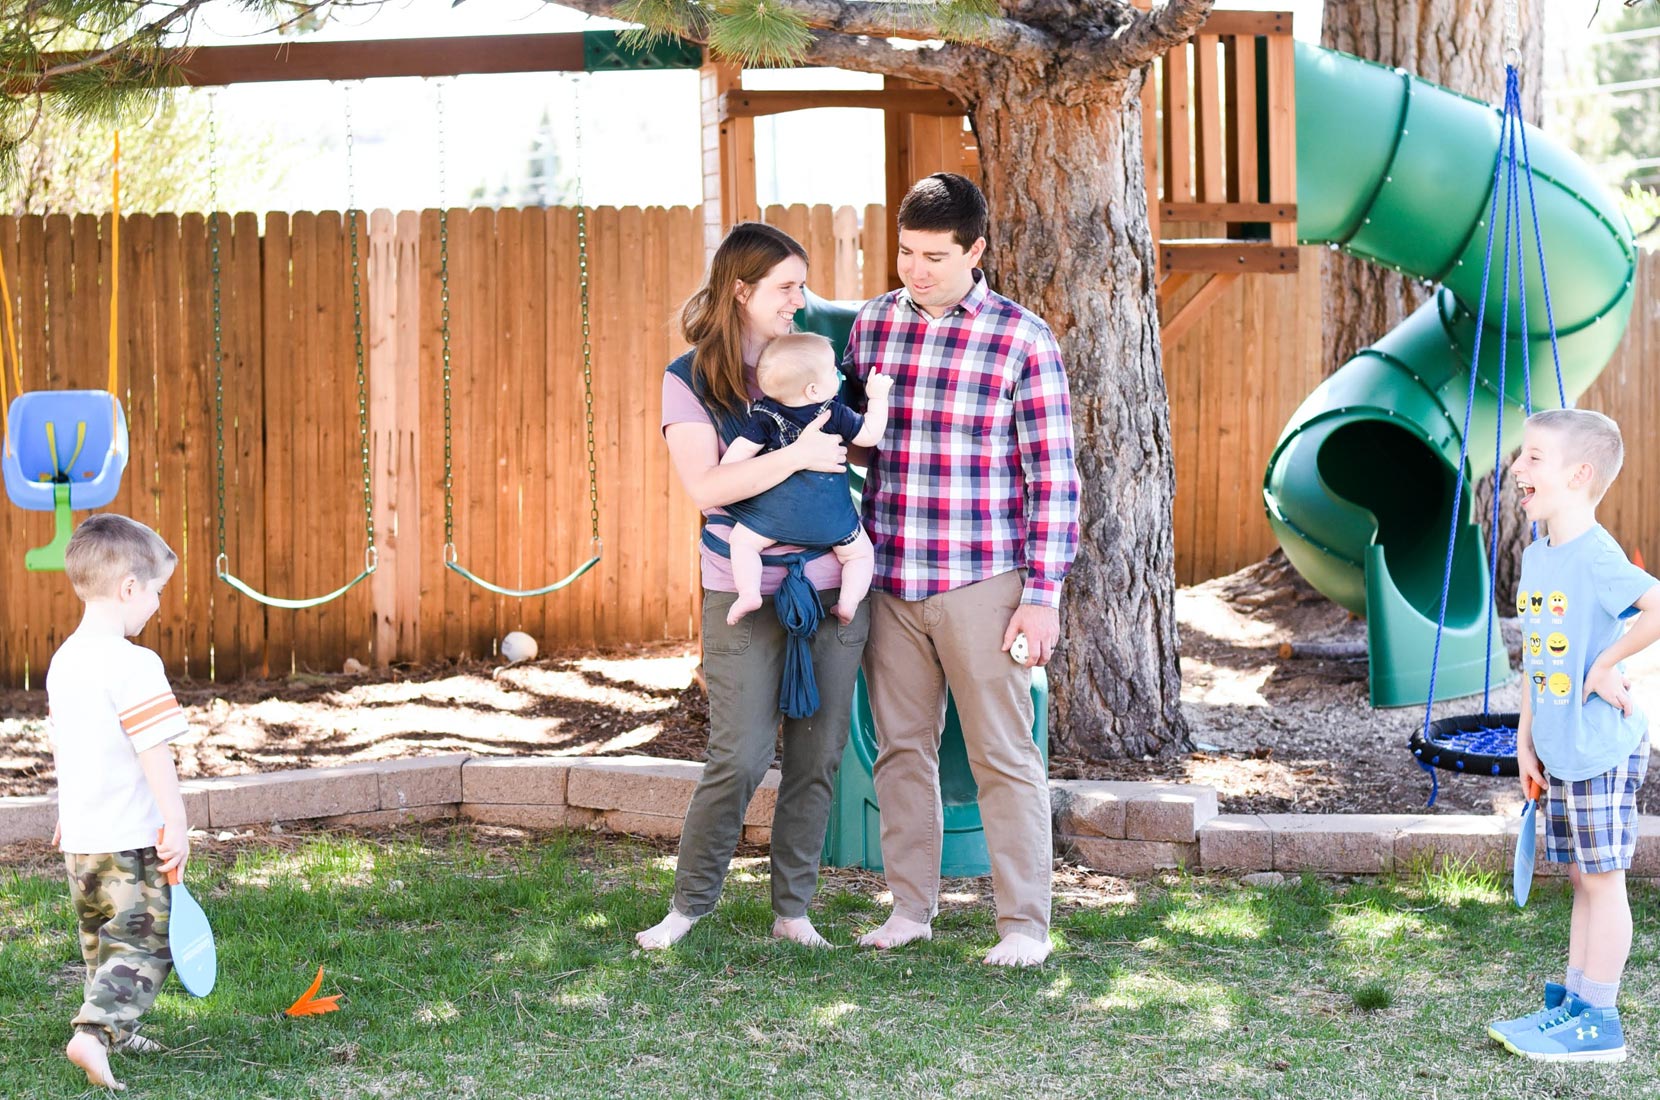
{"points": [[1272, 735]]}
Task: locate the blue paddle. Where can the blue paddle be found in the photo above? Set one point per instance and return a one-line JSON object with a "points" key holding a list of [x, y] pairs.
{"points": [[190, 939], [1526, 843]]}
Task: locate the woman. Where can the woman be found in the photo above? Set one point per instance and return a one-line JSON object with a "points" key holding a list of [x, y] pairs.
{"points": [[754, 287]]}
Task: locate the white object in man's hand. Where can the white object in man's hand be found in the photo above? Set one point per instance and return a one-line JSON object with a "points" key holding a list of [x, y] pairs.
{"points": [[1018, 651]]}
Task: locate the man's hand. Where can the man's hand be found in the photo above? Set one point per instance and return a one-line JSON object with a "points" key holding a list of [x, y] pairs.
{"points": [[1042, 627], [1606, 681]]}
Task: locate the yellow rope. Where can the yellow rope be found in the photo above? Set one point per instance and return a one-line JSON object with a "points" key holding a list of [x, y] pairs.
{"points": [[16, 357]]}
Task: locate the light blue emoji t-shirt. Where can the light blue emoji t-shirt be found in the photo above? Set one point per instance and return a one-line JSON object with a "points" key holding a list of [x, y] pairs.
{"points": [[1572, 600]]}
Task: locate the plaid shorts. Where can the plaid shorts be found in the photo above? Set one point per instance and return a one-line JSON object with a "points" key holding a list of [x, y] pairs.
{"points": [[1595, 820]]}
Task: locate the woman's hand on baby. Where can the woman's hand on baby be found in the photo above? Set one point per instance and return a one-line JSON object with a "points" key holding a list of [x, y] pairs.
{"points": [[878, 385], [818, 450]]}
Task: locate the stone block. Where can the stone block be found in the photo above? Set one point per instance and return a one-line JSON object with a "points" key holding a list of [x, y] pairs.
{"points": [[1354, 844], [636, 784], [764, 804], [638, 824], [516, 780], [1236, 842], [28, 817], [757, 834], [1487, 840], [423, 781], [1087, 807], [1646, 862], [1173, 813], [1126, 857], [530, 816], [292, 795], [196, 808], [388, 819]]}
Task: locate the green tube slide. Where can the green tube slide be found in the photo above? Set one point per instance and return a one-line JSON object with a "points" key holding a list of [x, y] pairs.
{"points": [[1359, 490]]}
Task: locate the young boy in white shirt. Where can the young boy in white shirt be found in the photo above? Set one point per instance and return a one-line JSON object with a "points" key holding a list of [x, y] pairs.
{"points": [[121, 819]]}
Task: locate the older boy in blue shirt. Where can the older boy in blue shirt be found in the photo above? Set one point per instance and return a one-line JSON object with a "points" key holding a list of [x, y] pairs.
{"points": [[1581, 738]]}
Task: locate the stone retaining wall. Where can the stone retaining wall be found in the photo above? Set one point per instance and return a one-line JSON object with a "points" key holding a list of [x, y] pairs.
{"points": [[1118, 828]]}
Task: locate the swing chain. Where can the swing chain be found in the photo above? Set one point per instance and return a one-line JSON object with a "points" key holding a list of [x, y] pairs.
{"points": [[1512, 33], [355, 215], [444, 330], [218, 321], [587, 332]]}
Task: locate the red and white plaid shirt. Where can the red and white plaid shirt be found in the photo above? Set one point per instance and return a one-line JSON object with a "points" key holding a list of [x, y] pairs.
{"points": [[974, 475]]}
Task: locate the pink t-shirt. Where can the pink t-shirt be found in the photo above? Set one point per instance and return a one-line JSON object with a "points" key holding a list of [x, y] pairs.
{"points": [[681, 406]]}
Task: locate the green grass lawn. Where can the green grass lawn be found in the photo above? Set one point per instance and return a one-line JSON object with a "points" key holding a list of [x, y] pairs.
{"points": [[476, 968]]}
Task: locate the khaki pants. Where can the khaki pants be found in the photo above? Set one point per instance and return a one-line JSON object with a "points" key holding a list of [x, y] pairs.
{"points": [[917, 649]]}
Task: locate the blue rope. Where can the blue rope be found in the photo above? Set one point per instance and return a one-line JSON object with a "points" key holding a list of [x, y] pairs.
{"points": [[1507, 135], [1463, 459], [1514, 82]]}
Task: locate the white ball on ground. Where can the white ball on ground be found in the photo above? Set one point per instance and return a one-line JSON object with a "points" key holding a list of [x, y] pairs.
{"points": [[518, 646]]}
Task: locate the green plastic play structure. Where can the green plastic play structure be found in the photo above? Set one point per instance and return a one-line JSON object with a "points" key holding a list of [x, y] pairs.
{"points": [[1359, 488]]}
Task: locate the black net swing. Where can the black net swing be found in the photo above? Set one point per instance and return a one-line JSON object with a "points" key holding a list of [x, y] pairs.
{"points": [[1485, 743]]}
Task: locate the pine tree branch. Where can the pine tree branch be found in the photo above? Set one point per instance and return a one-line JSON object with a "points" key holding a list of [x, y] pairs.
{"points": [[1148, 35], [875, 19], [147, 33], [943, 66]]}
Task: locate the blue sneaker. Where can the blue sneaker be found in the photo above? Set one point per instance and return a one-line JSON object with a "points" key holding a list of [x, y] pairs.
{"points": [[1586, 1034], [1555, 994]]}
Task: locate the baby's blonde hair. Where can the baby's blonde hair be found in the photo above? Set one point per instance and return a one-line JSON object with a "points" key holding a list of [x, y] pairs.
{"points": [[787, 364], [1588, 437], [107, 547]]}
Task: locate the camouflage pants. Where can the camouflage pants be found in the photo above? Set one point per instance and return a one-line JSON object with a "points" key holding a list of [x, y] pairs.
{"points": [[122, 902]]}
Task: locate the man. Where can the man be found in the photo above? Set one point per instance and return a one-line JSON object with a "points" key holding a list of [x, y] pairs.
{"points": [[972, 505]]}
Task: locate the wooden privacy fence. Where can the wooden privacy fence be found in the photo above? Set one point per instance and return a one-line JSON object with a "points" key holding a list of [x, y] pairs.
{"points": [[294, 522]]}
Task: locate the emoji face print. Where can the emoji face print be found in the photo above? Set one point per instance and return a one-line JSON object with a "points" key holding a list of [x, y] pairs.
{"points": [[1558, 604], [1534, 644], [1539, 682], [1559, 684], [1521, 602], [1536, 603], [1557, 643]]}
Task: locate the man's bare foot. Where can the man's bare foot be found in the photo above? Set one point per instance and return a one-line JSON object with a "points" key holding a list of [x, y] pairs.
{"points": [[896, 931], [845, 612], [1017, 949], [666, 932], [89, 1052], [741, 607], [798, 930]]}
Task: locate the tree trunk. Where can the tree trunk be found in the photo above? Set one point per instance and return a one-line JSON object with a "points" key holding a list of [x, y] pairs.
{"points": [[1459, 44], [1069, 240]]}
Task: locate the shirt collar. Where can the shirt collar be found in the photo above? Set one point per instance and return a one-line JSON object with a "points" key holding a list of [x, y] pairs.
{"points": [[970, 305]]}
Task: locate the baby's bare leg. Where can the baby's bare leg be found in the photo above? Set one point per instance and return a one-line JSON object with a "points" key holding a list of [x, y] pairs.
{"points": [[858, 560], [746, 570]]}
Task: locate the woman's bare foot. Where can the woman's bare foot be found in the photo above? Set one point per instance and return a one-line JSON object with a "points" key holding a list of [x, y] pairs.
{"points": [[89, 1052], [1017, 949], [666, 932], [742, 606], [896, 931], [798, 930]]}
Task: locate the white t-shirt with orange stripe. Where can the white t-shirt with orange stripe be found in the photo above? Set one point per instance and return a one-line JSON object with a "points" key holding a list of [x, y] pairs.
{"points": [[109, 700]]}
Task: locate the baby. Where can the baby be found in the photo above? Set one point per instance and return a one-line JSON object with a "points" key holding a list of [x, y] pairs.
{"points": [[812, 510]]}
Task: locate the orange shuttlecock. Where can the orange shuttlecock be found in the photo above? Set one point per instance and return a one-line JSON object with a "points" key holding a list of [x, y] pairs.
{"points": [[310, 1004]]}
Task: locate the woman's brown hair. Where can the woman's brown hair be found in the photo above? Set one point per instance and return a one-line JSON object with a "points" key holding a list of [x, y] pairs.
{"points": [[713, 321]]}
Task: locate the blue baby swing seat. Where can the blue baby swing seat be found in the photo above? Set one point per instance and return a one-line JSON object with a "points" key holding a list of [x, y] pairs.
{"points": [[64, 450]]}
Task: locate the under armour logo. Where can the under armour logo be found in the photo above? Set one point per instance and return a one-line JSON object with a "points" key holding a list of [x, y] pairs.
{"points": [[1584, 1033]]}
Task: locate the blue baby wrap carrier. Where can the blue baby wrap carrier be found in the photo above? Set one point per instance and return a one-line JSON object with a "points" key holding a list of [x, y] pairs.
{"points": [[796, 601]]}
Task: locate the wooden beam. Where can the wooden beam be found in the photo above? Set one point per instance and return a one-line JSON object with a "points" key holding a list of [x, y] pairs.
{"points": [[1282, 131], [1247, 22], [1171, 331], [1228, 212], [1237, 256], [208, 66], [1170, 286], [919, 101]]}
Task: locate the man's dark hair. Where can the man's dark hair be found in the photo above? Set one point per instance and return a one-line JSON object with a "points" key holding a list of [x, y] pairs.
{"points": [[946, 202]]}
